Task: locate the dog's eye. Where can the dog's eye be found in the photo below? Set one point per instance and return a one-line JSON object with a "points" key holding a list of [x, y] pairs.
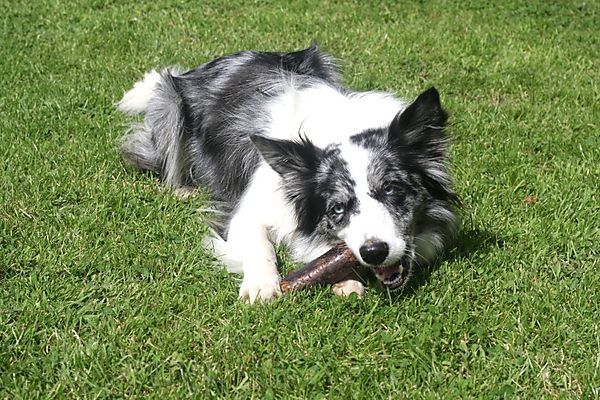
{"points": [[338, 209], [389, 189]]}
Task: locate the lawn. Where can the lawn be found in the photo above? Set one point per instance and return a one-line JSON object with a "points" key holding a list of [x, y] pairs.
{"points": [[105, 291]]}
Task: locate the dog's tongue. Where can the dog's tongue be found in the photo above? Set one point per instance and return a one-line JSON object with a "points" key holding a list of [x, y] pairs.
{"points": [[385, 273]]}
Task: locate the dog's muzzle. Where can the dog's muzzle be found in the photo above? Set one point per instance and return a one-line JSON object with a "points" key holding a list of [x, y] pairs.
{"points": [[394, 276]]}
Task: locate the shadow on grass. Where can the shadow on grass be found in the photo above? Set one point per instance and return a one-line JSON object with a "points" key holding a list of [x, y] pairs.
{"points": [[465, 245]]}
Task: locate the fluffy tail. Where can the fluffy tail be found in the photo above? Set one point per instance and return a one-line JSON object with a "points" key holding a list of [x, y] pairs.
{"points": [[155, 143]]}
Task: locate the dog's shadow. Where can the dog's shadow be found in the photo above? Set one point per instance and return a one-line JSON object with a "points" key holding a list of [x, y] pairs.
{"points": [[465, 245]]}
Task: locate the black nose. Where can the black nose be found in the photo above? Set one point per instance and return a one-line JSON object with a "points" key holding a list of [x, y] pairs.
{"points": [[374, 252]]}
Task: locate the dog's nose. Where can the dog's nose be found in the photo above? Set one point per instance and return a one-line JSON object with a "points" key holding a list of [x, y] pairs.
{"points": [[374, 252]]}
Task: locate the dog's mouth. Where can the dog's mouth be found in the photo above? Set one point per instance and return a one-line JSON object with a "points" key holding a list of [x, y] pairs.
{"points": [[395, 276]]}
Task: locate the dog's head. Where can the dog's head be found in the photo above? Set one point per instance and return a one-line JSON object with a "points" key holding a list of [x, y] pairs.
{"points": [[374, 191]]}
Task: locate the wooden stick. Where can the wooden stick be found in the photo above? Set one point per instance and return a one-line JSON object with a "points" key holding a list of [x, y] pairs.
{"points": [[332, 267]]}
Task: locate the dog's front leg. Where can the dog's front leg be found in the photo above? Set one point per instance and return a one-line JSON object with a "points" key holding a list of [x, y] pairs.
{"points": [[249, 240]]}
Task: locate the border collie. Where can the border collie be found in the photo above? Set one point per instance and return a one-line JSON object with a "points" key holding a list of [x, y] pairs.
{"points": [[290, 156]]}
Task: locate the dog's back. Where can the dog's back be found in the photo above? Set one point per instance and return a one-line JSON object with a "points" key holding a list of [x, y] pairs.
{"points": [[199, 122]]}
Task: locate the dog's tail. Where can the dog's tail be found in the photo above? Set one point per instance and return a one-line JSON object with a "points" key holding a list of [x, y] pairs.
{"points": [[155, 143]]}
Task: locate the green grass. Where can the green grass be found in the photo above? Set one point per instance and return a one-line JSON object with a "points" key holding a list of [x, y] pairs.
{"points": [[105, 291]]}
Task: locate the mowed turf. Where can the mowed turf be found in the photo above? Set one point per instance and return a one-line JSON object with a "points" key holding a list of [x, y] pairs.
{"points": [[105, 291]]}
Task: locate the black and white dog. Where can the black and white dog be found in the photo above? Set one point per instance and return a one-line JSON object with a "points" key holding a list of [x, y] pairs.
{"points": [[291, 156]]}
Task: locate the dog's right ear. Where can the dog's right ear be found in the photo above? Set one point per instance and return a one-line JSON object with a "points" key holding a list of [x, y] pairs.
{"points": [[287, 157], [417, 133]]}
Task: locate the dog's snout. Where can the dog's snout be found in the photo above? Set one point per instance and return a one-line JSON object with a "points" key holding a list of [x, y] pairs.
{"points": [[374, 252]]}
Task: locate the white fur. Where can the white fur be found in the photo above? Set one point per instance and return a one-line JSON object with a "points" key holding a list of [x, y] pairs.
{"points": [[220, 248], [373, 220], [135, 101], [249, 241], [326, 116]]}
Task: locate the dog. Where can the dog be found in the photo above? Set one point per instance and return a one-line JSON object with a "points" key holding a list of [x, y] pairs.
{"points": [[291, 156]]}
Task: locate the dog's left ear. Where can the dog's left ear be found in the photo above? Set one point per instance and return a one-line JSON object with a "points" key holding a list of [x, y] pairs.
{"points": [[420, 127], [418, 135], [287, 157]]}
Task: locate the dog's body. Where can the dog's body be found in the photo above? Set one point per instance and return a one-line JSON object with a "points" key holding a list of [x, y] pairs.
{"points": [[290, 156]]}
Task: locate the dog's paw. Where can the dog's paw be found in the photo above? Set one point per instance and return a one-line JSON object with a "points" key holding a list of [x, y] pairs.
{"points": [[346, 288], [263, 289]]}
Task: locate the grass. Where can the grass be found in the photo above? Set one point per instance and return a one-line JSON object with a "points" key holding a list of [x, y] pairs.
{"points": [[105, 291]]}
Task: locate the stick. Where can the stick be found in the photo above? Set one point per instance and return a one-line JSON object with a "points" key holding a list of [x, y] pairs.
{"points": [[331, 267]]}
